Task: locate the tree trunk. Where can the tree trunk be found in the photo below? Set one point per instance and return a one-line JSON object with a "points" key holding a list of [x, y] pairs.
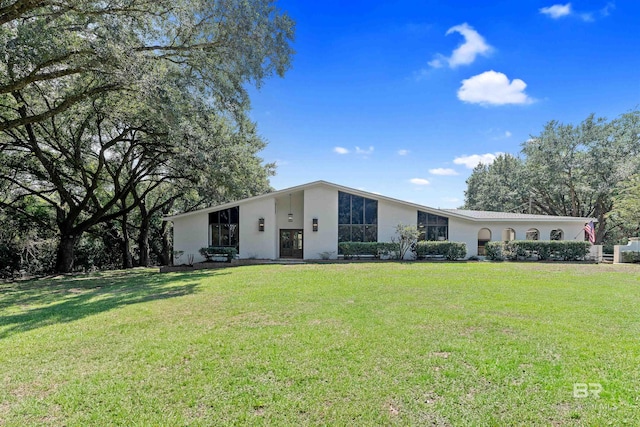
{"points": [[167, 254], [65, 253], [601, 228], [143, 242]]}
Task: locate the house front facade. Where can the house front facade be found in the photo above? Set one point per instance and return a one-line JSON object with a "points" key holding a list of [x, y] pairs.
{"points": [[308, 221]]}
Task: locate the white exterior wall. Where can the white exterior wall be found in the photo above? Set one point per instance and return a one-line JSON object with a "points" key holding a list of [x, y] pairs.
{"points": [[632, 246], [253, 242], [320, 203], [190, 234], [282, 212], [467, 231], [392, 214]]}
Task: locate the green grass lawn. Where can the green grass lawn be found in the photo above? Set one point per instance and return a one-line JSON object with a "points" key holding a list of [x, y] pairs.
{"points": [[337, 344]]}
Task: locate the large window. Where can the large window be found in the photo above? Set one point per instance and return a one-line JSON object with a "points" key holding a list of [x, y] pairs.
{"points": [[432, 227], [224, 227], [357, 218]]}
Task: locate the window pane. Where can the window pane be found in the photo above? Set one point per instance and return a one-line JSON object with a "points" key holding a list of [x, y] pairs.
{"points": [[235, 215], [422, 218], [357, 233], [214, 218], [441, 232], [344, 233], [225, 227], [344, 208], [433, 219], [224, 216], [443, 220], [423, 235], [431, 233], [371, 233], [215, 235], [224, 235], [285, 240], [370, 211], [233, 235], [357, 210]]}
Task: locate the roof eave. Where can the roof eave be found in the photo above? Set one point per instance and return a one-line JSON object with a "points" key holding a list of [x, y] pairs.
{"points": [[442, 212]]}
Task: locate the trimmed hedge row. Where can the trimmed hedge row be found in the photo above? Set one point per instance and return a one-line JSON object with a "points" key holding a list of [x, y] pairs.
{"points": [[375, 249], [449, 250], [631, 256], [213, 251], [421, 250], [565, 250]]}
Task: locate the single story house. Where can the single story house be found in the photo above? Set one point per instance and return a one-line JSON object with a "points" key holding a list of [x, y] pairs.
{"points": [[310, 219]]}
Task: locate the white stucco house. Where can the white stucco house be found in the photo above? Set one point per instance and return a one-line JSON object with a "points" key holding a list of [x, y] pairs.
{"points": [[309, 219]]}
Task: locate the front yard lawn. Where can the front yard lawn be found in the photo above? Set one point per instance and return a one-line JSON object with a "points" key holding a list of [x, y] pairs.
{"points": [[336, 344]]}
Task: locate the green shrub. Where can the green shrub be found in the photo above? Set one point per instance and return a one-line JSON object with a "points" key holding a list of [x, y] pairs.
{"points": [[406, 238], [528, 248], [388, 250], [571, 250], [630, 256], [9, 260], [565, 250], [213, 251], [493, 251], [92, 253], [374, 249], [449, 250]]}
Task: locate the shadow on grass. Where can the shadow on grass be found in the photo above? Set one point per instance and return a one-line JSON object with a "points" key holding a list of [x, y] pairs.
{"points": [[36, 303]]}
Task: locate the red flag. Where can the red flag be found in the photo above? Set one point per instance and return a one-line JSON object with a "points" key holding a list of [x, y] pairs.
{"points": [[590, 229]]}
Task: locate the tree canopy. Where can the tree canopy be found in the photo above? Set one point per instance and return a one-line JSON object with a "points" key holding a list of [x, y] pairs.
{"points": [[120, 111], [566, 170]]}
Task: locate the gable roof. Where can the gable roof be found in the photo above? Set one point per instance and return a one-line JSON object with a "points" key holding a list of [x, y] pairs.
{"points": [[468, 215]]}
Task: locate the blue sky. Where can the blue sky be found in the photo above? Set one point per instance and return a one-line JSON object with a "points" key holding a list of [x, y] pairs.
{"points": [[403, 98]]}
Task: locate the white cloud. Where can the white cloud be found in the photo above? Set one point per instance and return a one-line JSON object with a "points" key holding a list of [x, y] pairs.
{"points": [[361, 151], [557, 10], [435, 63], [587, 17], [364, 152], [474, 45], [473, 160], [419, 181], [403, 152], [443, 172], [451, 199], [606, 11], [507, 134], [493, 88]]}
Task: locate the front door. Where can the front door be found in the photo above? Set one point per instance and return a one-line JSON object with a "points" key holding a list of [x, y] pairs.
{"points": [[290, 243]]}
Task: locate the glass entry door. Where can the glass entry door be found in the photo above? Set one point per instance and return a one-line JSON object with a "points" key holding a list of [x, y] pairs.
{"points": [[291, 244]]}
